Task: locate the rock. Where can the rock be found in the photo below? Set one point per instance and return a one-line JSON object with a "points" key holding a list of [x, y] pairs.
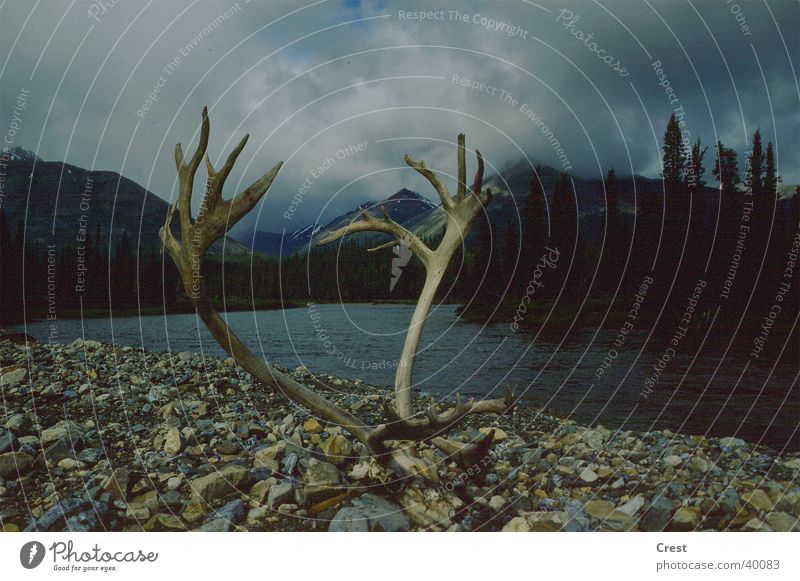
{"points": [[229, 480], [117, 484], [8, 441], [685, 519], [280, 493], [139, 512], [232, 512], [337, 448], [322, 481], [312, 426], [593, 438], [70, 464], [588, 475], [657, 516], [194, 512], [370, 513], [756, 525], [673, 460], [497, 502], [499, 434], [172, 500], [217, 525], [256, 515], [268, 456], [14, 463], [172, 443], [289, 463], [517, 525], [164, 522], [758, 500], [782, 522], [13, 378], [19, 424], [728, 500], [430, 507], [546, 521], [598, 509], [68, 429], [260, 490], [74, 515], [60, 449], [730, 443], [91, 455], [633, 505]]}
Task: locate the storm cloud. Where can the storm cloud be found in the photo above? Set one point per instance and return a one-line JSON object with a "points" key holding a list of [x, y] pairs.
{"points": [[340, 91]]}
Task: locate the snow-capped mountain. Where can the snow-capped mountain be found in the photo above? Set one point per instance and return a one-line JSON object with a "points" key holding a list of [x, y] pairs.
{"points": [[21, 154], [403, 207]]}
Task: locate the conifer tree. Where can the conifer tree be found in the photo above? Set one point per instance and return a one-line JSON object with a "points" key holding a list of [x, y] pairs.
{"points": [[674, 159]]}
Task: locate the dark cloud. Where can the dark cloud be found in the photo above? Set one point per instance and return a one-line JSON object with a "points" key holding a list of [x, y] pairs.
{"points": [[307, 82]]}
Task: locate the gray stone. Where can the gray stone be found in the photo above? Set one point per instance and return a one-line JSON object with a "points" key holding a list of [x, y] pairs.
{"points": [[60, 449], [13, 378], [19, 424], [91, 455], [232, 512], [8, 441], [279, 494], [370, 513], [222, 483], [64, 429], [731, 443], [75, 515], [13, 462], [657, 516]]}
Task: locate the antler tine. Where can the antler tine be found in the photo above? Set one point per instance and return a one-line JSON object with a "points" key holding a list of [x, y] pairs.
{"points": [[186, 173], [243, 202], [478, 182], [441, 189], [462, 170], [232, 157]]}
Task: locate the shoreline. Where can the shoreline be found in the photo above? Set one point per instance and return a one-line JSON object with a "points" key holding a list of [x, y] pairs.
{"points": [[132, 440]]}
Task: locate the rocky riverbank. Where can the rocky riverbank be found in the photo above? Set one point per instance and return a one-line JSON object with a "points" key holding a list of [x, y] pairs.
{"points": [[97, 437]]}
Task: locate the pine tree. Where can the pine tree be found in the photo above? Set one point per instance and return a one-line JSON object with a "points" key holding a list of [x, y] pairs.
{"points": [[755, 166], [693, 180], [770, 183], [674, 160], [726, 169]]}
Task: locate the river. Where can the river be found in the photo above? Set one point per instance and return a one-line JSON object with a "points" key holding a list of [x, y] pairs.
{"points": [[702, 395]]}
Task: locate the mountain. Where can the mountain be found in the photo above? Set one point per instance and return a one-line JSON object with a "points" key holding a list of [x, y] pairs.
{"points": [[403, 207], [55, 203], [21, 154]]}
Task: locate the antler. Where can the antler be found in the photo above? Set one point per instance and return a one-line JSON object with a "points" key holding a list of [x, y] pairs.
{"points": [[217, 215], [461, 212], [434, 423]]}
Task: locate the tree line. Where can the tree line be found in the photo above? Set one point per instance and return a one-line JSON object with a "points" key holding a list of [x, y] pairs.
{"points": [[681, 234]]}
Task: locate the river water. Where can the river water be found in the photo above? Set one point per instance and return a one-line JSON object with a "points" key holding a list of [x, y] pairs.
{"points": [[702, 395]]}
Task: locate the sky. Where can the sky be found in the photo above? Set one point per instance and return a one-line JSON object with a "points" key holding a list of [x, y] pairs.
{"points": [[339, 91]]}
